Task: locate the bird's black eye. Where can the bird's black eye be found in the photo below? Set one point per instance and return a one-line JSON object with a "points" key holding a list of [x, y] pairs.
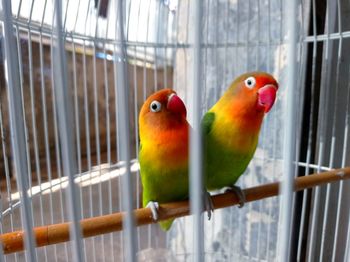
{"points": [[250, 82], [155, 106]]}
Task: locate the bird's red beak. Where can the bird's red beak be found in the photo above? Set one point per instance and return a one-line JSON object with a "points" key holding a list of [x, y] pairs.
{"points": [[176, 105], [267, 97]]}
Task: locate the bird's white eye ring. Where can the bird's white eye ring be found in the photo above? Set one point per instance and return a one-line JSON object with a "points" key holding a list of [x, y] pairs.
{"points": [[155, 106], [250, 82]]}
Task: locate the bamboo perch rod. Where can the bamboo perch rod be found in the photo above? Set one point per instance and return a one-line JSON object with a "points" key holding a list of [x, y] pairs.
{"points": [[58, 233]]}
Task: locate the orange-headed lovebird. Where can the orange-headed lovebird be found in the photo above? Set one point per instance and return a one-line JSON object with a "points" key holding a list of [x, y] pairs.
{"points": [[231, 129], [164, 149]]}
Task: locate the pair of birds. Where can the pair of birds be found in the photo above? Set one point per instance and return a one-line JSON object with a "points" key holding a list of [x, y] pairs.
{"points": [[230, 132]]}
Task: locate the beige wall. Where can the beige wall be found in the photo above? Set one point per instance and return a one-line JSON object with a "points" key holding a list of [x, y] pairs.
{"points": [[142, 73]]}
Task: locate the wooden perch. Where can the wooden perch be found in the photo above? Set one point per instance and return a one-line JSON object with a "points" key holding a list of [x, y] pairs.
{"points": [[58, 233]]}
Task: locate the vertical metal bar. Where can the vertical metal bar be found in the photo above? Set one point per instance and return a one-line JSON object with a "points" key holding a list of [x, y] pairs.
{"points": [[155, 50], [31, 12], [176, 50], [127, 26], [269, 35], [216, 51], [237, 65], [250, 46], [309, 150], [347, 249], [248, 57], [55, 128], [316, 206], [331, 158], [26, 136], [17, 128], [19, 9], [87, 126], [76, 116], [108, 127], [87, 140], [144, 86], [96, 116], [7, 169], [196, 181], [280, 54], [46, 136], [227, 8], [263, 133], [65, 14], [108, 130], [325, 102], [62, 100], [308, 155], [258, 42], [7, 177], [274, 127], [325, 210], [165, 74], [340, 200], [77, 129], [340, 193], [76, 18], [155, 12], [303, 211], [289, 136], [226, 83], [87, 120], [117, 137], [247, 40], [237, 35], [172, 39], [123, 131], [155, 30], [259, 240], [205, 56], [34, 129], [136, 112]]}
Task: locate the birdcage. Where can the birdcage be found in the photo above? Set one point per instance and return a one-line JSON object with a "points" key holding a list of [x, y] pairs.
{"points": [[74, 75]]}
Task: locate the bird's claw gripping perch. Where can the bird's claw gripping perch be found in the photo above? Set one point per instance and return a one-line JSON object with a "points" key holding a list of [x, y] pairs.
{"points": [[154, 206], [239, 193], [208, 204]]}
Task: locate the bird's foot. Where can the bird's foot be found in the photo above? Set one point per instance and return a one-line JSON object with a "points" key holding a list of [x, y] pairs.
{"points": [[154, 206], [239, 193], [208, 204]]}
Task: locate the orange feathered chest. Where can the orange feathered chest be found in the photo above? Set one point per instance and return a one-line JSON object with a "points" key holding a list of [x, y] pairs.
{"points": [[236, 125], [165, 147]]}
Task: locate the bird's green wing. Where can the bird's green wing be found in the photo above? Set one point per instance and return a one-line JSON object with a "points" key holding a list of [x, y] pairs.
{"points": [[207, 122]]}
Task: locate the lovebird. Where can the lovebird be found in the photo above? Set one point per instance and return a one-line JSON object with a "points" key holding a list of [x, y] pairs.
{"points": [[163, 155], [231, 129]]}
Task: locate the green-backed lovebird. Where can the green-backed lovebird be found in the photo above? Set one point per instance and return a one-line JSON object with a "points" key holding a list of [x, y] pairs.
{"points": [[231, 129], [163, 157]]}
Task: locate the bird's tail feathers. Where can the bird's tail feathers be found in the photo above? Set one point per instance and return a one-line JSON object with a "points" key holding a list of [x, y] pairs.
{"points": [[166, 224]]}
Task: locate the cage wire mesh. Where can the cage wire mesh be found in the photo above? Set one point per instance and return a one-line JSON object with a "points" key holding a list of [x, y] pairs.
{"points": [[237, 36]]}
